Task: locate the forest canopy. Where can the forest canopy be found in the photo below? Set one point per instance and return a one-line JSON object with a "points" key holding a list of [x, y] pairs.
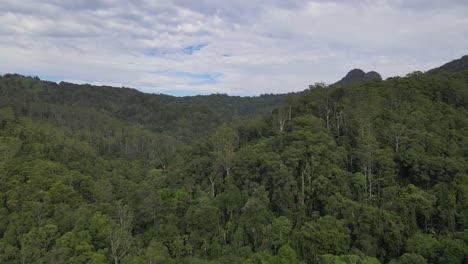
{"points": [[371, 172]]}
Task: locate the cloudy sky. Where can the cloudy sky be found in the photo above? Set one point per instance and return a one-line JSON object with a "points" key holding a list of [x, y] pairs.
{"points": [[248, 47]]}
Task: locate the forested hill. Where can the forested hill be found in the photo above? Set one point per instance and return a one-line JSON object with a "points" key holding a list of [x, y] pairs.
{"points": [[372, 172], [453, 66], [185, 117]]}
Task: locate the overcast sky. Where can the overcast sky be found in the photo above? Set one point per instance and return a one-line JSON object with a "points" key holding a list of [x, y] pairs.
{"points": [[248, 47]]}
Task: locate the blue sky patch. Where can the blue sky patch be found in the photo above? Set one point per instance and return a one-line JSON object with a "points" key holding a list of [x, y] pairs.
{"points": [[190, 50], [180, 93], [193, 78], [53, 78], [187, 50]]}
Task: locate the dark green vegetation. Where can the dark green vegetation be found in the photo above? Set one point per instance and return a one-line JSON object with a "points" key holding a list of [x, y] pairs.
{"points": [[453, 66], [374, 172], [182, 117]]}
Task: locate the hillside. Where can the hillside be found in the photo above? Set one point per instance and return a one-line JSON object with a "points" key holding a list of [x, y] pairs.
{"points": [[374, 172], [458, 65], [184, 117]]}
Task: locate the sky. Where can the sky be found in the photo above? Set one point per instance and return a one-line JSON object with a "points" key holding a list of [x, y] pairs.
{"points": [[249, 47]]}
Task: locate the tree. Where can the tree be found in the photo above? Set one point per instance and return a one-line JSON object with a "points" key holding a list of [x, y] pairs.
{"points": [[283, 115], [397, 135], [280, 231], [202, 219], [367, 146], [120, 242], [7, 114], [423, 244], [409, 258], [120, 237], [452, 251], [157, 253], [256, 216], [225, 141], [287, 255], [327, 235]]}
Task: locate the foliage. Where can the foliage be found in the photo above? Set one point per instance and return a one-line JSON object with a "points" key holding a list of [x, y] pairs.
{"points": [[373, 172]]}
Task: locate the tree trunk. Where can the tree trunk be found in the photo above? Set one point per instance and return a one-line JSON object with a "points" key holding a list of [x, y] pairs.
{"points": [[365, 180], [302, 189], [212, 186], [397, 143], [370, 181]]}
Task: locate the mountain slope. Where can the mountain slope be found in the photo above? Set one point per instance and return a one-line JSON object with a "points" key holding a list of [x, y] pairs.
{"points": [[453, 66], [185, 117]]}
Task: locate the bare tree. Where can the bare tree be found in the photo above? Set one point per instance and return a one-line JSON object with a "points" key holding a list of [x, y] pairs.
{"points": [[120, 242], [120, 236], [225, 141], [284, 116], [366, 155], [396, 134]]}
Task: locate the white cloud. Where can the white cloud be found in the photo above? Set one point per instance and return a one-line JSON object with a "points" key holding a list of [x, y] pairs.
{"points": [[258, 46]]}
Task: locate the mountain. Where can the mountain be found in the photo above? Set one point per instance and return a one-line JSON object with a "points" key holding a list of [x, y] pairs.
{"points": [[358, 75], [453, 66]]}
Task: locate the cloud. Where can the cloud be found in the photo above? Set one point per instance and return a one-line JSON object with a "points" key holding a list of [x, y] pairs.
{"points": [[236, 47]]}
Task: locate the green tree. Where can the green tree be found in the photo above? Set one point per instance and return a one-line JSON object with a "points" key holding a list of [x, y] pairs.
{"points": [[327, 235]]}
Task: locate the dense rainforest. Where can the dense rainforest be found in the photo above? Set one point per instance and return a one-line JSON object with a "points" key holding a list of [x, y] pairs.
{"points": [[368, 172], [183, 117]]}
